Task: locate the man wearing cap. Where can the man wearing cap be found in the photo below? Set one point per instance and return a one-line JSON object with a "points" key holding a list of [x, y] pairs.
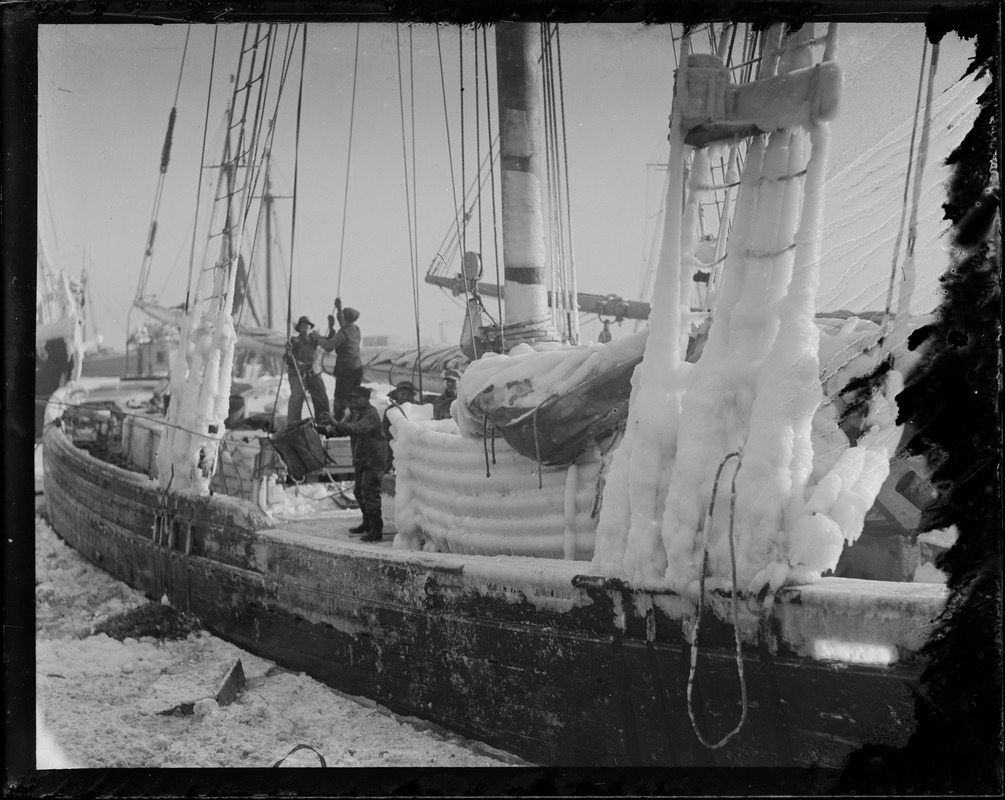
{"points": [[348, 366], [403, 392], [304, 374], [441, 406], [369, 453]]}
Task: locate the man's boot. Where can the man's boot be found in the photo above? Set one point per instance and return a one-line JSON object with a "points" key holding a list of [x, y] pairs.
{"points": [[376, 529], [363, 527]]}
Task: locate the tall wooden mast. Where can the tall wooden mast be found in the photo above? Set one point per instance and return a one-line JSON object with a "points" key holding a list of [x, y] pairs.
{"points": [[521, 137]]}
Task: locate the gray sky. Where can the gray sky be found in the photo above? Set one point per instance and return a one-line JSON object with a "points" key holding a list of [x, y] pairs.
{"points": [[105, 93]]}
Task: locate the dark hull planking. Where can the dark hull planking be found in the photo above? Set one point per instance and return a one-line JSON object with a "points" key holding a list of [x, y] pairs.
{"points": [[527, 655]]}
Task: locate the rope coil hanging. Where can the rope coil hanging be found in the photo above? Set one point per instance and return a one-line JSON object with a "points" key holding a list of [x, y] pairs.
{"points": [[738, 455]]}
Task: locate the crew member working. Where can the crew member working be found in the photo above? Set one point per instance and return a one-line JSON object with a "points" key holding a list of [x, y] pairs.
{"points": [[369, 455], [304, 371], [348, 366], [441, 406]]}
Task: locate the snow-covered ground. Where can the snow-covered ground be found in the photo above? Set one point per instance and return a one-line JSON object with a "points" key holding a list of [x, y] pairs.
{"points": [[98, 699]]}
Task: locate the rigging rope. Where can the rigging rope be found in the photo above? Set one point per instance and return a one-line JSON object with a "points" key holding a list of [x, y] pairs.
{"points": [[296, 175], [348, 161], [907, 183], [492, 176], [738, 455], [404, 155], [159, 191], [464, 220], [202, 160], [293, 231], [415, 203], [573, 284], [446, 124], [478, 146], [264, 161]]}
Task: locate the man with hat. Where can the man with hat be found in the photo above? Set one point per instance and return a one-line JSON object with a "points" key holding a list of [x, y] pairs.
{"points": [[369, 454], [304, 373], [441, 406], [403, 392], [348, 366]]}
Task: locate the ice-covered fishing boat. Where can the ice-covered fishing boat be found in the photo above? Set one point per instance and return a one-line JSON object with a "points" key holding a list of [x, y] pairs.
{"points": [[595, 604], [59, 332]]}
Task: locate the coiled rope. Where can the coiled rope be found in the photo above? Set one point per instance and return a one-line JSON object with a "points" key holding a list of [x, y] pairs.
{"points": [[738, 455]]}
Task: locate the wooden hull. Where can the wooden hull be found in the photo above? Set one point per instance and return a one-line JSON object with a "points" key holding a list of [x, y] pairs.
{"points": [[528, 655]]}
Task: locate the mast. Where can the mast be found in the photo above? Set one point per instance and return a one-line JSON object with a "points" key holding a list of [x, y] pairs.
{"points": [[521, 141]]}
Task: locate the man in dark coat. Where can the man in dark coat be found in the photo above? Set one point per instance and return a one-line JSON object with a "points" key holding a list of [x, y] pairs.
{"points": [[403, 392], [369, 455], [348, 366], [441, 406], [304, 374]]}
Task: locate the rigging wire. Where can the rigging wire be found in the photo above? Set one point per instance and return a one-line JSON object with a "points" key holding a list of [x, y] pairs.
{"points": [[478, 144], [260, 166], [561, 314], [451, 241], [202, 160], [464, 219], [256, 168], [492, 177], [262, 163], [415, 204], [159, 191], [296, 174], [293, 230], [345, 198], [573, 287], [446, 123], [404, 155], [907, 182], [224, 175]]}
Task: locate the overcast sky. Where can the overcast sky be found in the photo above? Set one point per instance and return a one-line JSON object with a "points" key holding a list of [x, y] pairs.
{"points": [[105, 93]]}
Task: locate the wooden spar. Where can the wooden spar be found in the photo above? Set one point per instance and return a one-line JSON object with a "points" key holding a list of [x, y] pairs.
{"points": [[605, 305], [518, 54]]}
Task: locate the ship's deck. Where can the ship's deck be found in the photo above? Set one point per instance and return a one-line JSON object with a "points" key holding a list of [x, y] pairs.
{"points": [[331, 525]]}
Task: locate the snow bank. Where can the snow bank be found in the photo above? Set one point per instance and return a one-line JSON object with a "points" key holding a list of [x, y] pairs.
{"points": [[98, 699]]}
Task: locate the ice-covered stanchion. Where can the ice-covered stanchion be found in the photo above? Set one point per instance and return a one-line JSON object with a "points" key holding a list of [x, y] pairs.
{"points": [[628, 533], [756, 390], [200, 388]]}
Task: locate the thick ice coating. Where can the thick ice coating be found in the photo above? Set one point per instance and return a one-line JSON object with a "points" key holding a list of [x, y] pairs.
{"points": [[803, 484]]}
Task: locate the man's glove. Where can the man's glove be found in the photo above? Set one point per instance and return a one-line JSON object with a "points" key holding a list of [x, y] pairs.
{"points": [[331, 322], [338, 303]]}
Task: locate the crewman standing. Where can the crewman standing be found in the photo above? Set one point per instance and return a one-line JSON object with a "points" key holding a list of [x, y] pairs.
{"points": [[403, 392], [303, 371], [348, 366], [441, 406], [369, 455]]}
